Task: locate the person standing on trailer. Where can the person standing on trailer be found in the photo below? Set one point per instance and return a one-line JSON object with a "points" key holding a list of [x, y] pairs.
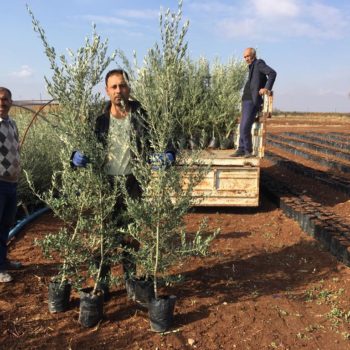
{"points": [[260, 81]]}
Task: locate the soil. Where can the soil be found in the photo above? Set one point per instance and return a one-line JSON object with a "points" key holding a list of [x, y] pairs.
{"points": [[265, 285]]}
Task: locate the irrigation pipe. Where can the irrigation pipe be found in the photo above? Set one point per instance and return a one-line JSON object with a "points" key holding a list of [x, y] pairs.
{"points": [[33, 111], [26, 221], [32, 121]]}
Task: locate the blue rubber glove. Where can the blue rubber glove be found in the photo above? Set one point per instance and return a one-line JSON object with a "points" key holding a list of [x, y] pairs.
{"points": [[79, 160], [162, 160], [170, 157]]}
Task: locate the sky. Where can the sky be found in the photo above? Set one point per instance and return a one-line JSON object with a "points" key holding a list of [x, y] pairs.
{"points": [[305, 41]]}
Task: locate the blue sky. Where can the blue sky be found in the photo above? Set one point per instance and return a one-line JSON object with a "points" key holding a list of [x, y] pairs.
{"points": [[305, 41]]}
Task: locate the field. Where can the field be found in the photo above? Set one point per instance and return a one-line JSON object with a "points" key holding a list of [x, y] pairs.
{"points": [[277, 276]]}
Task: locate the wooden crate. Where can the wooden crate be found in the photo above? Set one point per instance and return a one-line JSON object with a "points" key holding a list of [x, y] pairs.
{"points": [[235, 181], [230, 181]]}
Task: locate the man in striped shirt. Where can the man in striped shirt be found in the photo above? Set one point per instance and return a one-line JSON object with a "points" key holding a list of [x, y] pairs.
{"points": [[9, 174]]}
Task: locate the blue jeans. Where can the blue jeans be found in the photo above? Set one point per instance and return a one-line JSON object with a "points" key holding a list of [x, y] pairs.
{"points": [[8, 208], [249, 111]]}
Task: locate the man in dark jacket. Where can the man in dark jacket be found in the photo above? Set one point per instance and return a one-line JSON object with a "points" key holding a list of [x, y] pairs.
{"points": [[122, 118], [113, 128], [260, 81]]}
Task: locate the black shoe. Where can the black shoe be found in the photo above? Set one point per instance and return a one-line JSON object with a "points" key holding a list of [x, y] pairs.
{"points": [[238, 153], [248, 155]]}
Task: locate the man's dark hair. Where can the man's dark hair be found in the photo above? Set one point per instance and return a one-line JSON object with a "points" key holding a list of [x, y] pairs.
{"points": [[117, 72], [6, 90]]}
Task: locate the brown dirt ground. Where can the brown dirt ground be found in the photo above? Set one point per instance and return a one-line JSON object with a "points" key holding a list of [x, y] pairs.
{"points": [[266, 285]]}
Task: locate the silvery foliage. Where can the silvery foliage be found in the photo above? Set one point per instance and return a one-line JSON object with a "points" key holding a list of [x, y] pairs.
{"points": [[37, 157], [82, 198], [157, 220], [159, 83], [186, 98], [225, 89]]}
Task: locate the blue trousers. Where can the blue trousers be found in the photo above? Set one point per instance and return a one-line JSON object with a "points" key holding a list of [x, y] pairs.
{"points": [[8, 207], [249, 111]]}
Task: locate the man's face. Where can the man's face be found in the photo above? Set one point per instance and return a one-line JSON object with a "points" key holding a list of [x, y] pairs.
{"points": [[118, 89], [5, 103], [248, 56]]}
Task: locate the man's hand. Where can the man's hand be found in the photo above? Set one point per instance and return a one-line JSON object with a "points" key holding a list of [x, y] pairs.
{"points": [[162, 160], [264, 91], [78, 160]]}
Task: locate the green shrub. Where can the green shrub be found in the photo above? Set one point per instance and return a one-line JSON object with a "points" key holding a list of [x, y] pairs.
{"points": [[37, 156], [189, 99], [82, 198]]}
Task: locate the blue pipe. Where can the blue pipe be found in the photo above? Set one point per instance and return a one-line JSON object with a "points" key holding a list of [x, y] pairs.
{"points": [[26, 221]]}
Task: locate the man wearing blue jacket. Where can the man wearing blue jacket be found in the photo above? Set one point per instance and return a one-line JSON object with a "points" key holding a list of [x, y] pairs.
{"points": [[260, 81]]}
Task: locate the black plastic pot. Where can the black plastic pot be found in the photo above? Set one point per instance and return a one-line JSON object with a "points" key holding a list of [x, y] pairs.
{"points": [[59, 295], [161, 313], [227, 142], [193, 143], [213, 143], [91, 307], [140, 290]]}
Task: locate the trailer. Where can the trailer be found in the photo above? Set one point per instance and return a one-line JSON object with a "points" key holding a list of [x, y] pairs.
{"points": [[234, 181]]}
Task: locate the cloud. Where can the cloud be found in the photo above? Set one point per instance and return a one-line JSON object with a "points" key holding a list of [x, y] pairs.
{"points": [[24, 72], [124, 17], [325, 14], [330, 20], [244, 28], [276, 19], [212, 7], [139, 14], [106, 20], [276, 8]]}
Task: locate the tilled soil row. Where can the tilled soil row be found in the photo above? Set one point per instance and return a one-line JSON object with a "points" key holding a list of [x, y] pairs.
{"points": [[328, 228], [329, 151], [309, 156], [326, 178], [335, 136], [320, 139]]}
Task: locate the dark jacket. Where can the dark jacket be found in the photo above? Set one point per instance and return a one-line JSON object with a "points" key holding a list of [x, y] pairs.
{"points": [[138, 122], [260, 76], [140, 126]]}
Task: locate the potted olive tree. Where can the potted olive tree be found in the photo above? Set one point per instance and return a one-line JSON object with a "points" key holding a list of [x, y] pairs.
{"points": [[81, 197], [158, 225], [157, 219]]}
